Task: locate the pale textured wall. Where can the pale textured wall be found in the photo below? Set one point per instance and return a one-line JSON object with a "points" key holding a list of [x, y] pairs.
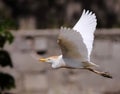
{"points": [[33, 77]]}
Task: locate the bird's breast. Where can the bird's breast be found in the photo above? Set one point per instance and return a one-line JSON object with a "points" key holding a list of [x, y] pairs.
{"points": [[73, 63]]}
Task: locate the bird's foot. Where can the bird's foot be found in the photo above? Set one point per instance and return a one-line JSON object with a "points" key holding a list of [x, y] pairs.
{"points": [[106, 74]]}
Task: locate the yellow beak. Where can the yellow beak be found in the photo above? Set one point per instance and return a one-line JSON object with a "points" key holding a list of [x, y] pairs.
{"points": [[43, 60]]}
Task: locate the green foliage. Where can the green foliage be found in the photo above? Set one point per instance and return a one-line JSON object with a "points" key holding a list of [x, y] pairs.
{"points": [[4, 37], [5, 59], [5, 34], [6, 81], [5, 23]]}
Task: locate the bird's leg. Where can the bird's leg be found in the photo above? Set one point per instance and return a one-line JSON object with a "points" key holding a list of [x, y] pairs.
{"points": [[104, 74]]}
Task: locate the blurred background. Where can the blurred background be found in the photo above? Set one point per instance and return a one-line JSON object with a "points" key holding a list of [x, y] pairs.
{"points": [[28, 26]]}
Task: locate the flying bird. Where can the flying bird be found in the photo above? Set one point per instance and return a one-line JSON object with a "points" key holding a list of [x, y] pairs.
{"points": [[76, 45]]}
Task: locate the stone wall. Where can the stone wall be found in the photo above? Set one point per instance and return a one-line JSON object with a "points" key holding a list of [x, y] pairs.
{"points": [[33, 77]]}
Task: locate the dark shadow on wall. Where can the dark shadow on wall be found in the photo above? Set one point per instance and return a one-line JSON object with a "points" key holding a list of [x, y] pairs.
{"points": [[52, 13]]}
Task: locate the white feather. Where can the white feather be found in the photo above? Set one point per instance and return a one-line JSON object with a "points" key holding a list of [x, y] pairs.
{"points": [[86, 26]]}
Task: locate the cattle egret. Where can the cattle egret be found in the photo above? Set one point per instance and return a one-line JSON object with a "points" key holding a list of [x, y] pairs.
{"points": [[76, 45]]}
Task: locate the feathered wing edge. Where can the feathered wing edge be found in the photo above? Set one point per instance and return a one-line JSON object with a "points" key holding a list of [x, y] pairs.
{"points": [[73, 47], [86, 26]]}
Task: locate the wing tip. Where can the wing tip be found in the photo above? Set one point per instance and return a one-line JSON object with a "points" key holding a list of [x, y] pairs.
{"points": [[64, 28], [88, 12]]}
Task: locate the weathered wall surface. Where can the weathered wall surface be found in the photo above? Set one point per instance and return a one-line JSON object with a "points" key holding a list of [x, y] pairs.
{"points": [[33, 77]]}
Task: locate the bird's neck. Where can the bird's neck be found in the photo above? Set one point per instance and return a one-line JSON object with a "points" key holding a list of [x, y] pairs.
{"points": [[59, 62]]}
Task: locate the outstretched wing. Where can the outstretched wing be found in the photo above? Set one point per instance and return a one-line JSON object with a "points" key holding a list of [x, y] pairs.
{"points": [[86, 26], [72, 45]]}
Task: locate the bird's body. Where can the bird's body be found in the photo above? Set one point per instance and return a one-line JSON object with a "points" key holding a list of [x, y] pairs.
{"points": [[76, 45], [59, 62]]}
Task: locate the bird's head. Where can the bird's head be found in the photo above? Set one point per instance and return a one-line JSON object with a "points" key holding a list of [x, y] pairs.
{"points": [[52, 59], [56, 61]]}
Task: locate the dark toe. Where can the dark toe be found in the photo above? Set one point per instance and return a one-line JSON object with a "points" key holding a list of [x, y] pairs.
{"points": [[106, 74]]}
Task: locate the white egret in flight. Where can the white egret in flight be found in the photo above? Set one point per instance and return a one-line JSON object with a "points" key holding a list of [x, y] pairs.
{"points": [[76, 45]]}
